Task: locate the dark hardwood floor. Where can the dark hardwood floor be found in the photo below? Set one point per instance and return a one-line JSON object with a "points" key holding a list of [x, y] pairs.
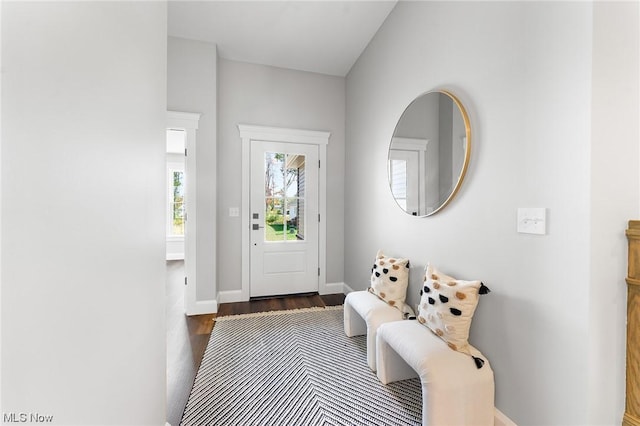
{"points": [[280, 304], [187, 337]]}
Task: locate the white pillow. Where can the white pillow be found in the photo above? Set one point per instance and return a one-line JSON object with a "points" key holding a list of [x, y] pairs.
{"points": [[390, 279], [447, 306]]}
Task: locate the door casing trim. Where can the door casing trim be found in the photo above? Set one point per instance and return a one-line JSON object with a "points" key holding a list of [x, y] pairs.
{"points": [[188, 122], [249, 133]]}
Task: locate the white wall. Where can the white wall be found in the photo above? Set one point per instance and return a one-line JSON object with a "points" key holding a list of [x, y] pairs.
{"points": [[269, 96], [615, 135], [83, 328], [191, 87], [523, 70]]}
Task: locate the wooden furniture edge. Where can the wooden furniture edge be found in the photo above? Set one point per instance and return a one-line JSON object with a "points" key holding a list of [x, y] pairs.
{"points": [[630, 420], [633, 281], [632, 398]]}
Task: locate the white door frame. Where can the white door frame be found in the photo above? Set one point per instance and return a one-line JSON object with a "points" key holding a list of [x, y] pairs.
{"points": [[285, 266], [250, 133], [420, 146], [188, 122]]}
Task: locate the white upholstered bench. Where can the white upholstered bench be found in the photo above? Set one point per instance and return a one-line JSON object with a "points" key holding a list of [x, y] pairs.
{"points": [[454, 390], [364, 312]]}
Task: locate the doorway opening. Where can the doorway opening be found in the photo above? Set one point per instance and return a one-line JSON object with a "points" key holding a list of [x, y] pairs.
{"points": [[175, 183], [181, 199]]}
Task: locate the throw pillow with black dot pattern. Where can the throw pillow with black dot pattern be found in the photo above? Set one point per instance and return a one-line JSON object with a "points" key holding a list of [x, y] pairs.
{"points": [[447, 306], [389, 281]]}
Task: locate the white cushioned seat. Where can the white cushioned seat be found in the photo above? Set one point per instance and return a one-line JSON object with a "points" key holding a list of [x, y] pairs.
{"points": [[364, 312], [454, 390]]}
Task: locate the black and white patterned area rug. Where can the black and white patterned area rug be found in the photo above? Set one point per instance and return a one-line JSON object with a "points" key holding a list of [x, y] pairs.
{"points": [[292, 368]]}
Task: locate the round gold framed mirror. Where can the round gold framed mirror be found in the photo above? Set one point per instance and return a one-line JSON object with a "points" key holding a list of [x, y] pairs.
{"points": [[429, 153]]}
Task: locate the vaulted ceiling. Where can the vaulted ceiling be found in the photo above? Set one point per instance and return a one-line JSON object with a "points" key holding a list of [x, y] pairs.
{"points": [[326, 37]]}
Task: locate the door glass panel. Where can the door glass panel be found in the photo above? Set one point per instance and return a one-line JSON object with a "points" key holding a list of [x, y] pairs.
{"points": [[274, 174], [300, 218], [177, 204], [284, 197], [292, 218], [398, 179]]}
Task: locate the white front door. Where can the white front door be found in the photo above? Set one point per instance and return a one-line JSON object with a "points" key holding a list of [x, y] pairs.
{"points": [[284, 218]]}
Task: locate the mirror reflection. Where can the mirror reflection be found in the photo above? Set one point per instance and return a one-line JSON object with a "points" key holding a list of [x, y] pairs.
{"points": [[429, 153]]}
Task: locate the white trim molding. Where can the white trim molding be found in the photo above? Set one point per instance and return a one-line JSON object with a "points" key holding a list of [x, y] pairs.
{"points": [[333, 288], [250, 133], [501, 420], [347, 289], [230, 296], [281, 134], [183, 120], [201, 307], [409, 144], [188, 122]]}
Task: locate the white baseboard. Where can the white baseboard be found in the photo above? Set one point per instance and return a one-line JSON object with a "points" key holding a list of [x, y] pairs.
{"points": [[347, 289], [501, 420], [332, 288], [202, 307], [230, 296]]}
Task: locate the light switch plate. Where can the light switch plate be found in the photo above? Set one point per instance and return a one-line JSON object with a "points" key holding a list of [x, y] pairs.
{"points": [[532, 220], [234, 211]]}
